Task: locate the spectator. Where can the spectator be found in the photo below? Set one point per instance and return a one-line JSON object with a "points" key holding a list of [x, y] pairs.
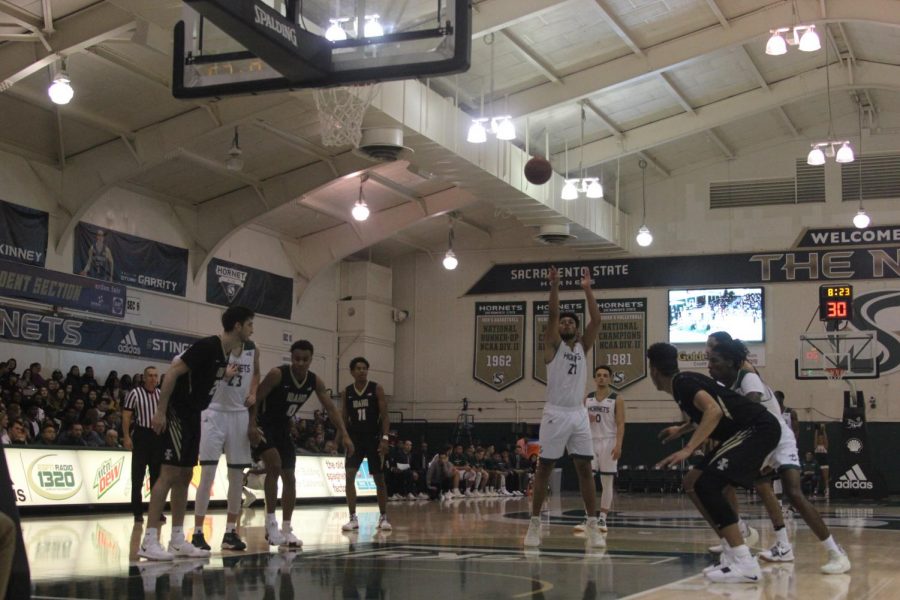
{"points": [[112, 381], [57, 402], [57, 376], [402, 479], [330, 448], [74, 436], [4, 428], [36, 377], [88, 377], [79, 406], [83, 390], [809, 475], [43, 396], [419, 463], [441, 476], [462, 472], [111, 439], [48, 434], [33, 419], [4, 373], [26, 385], [73, 378], [125, 383], [14, 409], [18, 435]]}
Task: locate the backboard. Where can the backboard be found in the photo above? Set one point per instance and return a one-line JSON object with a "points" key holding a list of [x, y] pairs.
{"points": [[228, 47], [849, 354]]}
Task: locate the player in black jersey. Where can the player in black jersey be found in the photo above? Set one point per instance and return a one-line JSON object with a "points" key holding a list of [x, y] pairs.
{"points": [[280, 395], [366, 416], [189, 383], [747, 432]]}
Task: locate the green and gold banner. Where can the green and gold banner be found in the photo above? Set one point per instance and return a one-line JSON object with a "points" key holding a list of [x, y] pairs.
{"points": [[499, 343], [541, 311], [622, 341]]}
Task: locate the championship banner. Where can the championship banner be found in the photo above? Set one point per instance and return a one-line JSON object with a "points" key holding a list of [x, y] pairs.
{"points": [[18, 280], [23, 234], [540, 313], [622, 342], [75, 333], [130, 260], [499, 343], [684, 271], [231, 284]]}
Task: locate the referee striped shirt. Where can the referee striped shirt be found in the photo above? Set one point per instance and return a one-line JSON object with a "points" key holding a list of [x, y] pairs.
{"points": [[143, 403]]}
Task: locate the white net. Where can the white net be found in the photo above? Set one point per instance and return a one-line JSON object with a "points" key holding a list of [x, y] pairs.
{"points": [[341, 111]]}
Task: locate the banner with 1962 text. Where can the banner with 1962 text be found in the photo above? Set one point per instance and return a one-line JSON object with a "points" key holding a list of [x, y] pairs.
{"points": [[499, 343]]}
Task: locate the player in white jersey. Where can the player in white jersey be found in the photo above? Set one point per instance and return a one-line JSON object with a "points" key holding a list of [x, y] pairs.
{"points": [[224, 427], [606, 414], [725, 365], [564, 425]]}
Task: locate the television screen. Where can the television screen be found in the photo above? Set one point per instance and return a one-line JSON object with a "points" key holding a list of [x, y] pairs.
{"points": [[694, 314]]}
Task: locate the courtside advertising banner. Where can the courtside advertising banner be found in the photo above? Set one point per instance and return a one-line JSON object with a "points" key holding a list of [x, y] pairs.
{"points": [[19, 280], [130, 260], [231, 284], [622, 342], [23, 234], [499, 343], [540, 312], [76, 333]]}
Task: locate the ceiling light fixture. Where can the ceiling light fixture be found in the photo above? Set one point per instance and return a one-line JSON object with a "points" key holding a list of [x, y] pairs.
{"points": [[803, 36], [234, 162], [373, 28], [450, 261], [861, 220], [360, 210], [592, 187], [644, 238], [840, 150], [335, 31], [60, 89], [501, 126]]}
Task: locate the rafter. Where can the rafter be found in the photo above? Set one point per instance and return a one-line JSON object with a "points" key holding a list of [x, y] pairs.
{"points": [[492, 16], [716, 10], [676, 93], [532, 57], [607, 122], [718, 141], [618, 28]]}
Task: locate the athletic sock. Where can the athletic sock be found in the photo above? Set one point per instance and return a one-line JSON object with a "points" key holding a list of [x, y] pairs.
{"points": [[781, 536], [741, 553], [535, 520], [270, 519], [151, 534], [198, 529], [830, 544], [286, 525]]}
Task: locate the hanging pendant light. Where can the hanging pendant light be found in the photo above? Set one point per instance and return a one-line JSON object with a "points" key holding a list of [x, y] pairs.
{"points": [[644, 238], [360, 209]]}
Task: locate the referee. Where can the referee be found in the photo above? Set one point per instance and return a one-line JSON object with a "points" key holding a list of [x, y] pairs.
{"points": [[145, 445]]}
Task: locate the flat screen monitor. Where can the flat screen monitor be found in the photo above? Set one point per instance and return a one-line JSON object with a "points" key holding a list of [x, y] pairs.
{"points": [[694, 314]]}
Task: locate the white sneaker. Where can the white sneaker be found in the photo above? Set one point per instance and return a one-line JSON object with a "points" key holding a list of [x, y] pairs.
{"points": [[746, 571], [422, 496], [595, 538], [455, 493], [469, 493], [717, 549], [601, 523], [533, 537], [518, 493], [778, 553], [724, 561], [581, 526], [273, 535], [289, 540], [838, 563], [410, 496], [153, 550], [185, 548], [351, 525], [395, 498], [383, 523]]}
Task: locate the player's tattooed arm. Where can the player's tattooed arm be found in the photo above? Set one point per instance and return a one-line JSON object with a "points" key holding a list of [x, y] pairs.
{"points": [[551, 333]]}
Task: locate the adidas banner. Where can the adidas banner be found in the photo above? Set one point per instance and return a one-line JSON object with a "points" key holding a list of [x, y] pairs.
{"points": [[853, 473], [130, 260], [88, 335], [231, 284], [23, 234]]}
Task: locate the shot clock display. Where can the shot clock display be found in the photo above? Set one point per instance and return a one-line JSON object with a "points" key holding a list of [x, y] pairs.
{"points": [[835, 302]]}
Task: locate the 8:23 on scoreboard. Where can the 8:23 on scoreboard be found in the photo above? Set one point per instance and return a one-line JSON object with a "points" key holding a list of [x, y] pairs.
{"points": [[835, 302]]}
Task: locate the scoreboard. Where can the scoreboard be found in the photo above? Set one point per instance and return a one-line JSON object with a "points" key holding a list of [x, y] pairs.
{"points": [[835, 302]]}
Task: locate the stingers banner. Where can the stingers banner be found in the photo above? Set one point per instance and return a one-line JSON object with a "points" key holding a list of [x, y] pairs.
{"points": [[541, 312], [622, 342], [499, 343]]}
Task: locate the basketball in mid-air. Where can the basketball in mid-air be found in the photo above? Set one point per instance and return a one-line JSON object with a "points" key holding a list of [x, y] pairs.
{"points": [[538, 170]]}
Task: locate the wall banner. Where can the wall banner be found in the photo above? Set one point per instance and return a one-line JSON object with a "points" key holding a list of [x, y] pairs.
{"points": [[231, 284], [876, 235], [18, 280], [540, 313], [23, 234], [75, 333], [499, 343], [684, 271], [622, 341], [130, 260]]}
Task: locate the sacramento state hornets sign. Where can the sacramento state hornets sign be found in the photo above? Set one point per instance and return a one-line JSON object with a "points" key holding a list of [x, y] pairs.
{"points": [[499, 343]]}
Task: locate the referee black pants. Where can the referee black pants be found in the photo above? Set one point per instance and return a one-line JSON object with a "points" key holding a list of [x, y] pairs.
{"points": [[147, 453]]}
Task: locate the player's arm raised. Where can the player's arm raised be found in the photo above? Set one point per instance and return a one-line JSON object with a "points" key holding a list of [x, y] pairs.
{"points": [[334, 414], [551, 333], [593, 326]]}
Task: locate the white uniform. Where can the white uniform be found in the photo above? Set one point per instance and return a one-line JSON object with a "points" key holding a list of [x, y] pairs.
{"points": [[564, 425], [602, 417], [785, 454], [223, 425]]}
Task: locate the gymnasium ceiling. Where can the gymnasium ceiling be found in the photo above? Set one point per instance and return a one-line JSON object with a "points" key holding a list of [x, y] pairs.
{"points": [[680, 83]]}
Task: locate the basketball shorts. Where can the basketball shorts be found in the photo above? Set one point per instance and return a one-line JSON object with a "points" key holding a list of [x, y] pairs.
{"points": [[279, 439], [181, 440], [785, 455], [222, 431], [565, 429], [603, 461], [740, 458], [365, 445], [822, 459]]}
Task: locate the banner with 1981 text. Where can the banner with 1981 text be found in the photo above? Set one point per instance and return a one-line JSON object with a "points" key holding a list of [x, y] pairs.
{"points": [[499, 343], [540, 312], [622, 342]]}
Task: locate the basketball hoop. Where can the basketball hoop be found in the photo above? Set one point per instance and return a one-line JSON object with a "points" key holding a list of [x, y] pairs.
{"points": [[341, 111], [834, 373]]}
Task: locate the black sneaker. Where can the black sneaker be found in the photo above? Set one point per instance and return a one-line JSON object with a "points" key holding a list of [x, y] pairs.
{"points": [[198, 541], [231, 541]]}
